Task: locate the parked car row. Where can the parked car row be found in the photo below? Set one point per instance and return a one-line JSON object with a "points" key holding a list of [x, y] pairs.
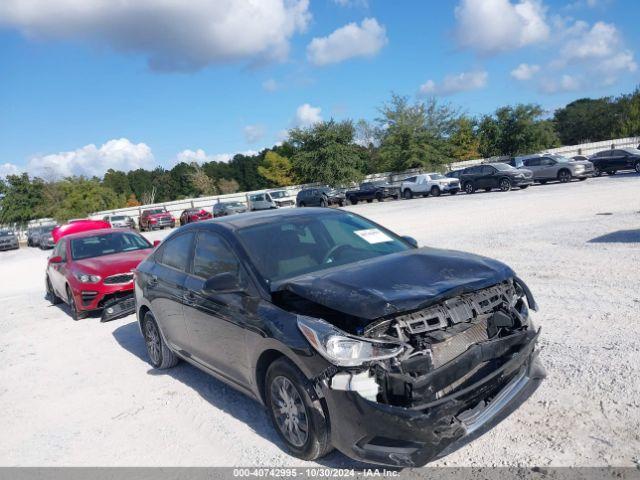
{"points": [[41, 236], [8, 240]]}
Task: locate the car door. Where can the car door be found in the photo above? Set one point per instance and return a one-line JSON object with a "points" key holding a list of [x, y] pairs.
{"points": [[548, 168], [165, 287], [620, 160], [487, 177], [533, 164], [217, 320], [604, 160], [56, 271]]}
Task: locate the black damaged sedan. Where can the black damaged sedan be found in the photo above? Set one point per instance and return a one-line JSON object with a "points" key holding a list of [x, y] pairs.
{"points": [[351, 336]]}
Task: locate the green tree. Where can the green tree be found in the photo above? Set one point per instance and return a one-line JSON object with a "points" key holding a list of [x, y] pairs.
{"points": [[464, 141], [414, 135], [201, 182], [325, 153], [78, 197], [227, 186], [23, 199], [117, 181], [587, 120], [630, 115], [277, 169]]}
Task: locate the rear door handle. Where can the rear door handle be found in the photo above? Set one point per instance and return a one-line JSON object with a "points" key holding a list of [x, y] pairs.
{"points": [[153, 281]]}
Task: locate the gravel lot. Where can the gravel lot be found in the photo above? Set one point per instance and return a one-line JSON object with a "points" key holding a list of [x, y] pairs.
{"points": [[82, 393]]}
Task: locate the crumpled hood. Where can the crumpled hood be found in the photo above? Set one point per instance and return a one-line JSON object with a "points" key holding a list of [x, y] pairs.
{"points": [[396, 283]]}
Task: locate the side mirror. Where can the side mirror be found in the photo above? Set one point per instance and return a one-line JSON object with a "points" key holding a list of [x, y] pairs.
{"points": [[410, 240], [157, 242], [223, 283], [55, 259]]}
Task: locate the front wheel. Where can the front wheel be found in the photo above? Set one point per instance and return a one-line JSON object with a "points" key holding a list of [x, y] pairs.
{"points": [[323, 203], [453, 192], [505, 185], [300, 420], [51, 295], [597, 172], [353, 201], [408, 194], [564, 176], [76, 313], [160, 356], [379, 198], [435, 191], [469, 188], [636, 167]]}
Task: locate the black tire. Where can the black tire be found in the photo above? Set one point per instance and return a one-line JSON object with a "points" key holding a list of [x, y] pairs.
{"points": [[302, 204], [522, 187], [323, 202], [543, 182], [395, 197], [469, 188], [379, 197], [611, 172], [564, 176], [369, 200], [353, 200], [51, 295], [408, 194], [160, 356], [453, 192], [505, 185], [582, 179], [340, 203], [636, 166], [286, 386], [597, 172], [488, 189], [435, 191], [71, 301]]}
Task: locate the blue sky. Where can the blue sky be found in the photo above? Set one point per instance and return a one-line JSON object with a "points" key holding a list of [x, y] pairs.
{"points": [[93, 84]]}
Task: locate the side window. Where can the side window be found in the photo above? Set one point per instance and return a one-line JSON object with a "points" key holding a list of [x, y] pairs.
{"points": [[619, 153], [175, 252], [548, 162], [213, 256], [61, 250], [473, 170], [411, 179], [487, 170], [532, 162]]}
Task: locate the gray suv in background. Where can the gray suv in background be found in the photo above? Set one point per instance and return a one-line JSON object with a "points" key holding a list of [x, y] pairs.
{"points": [[547, 168]]}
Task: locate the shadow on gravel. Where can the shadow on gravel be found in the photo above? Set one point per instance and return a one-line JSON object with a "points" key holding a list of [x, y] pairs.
{"points": [[621, 236], [221, 396]]}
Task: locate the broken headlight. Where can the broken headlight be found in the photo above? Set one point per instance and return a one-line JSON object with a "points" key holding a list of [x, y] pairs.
{"points": [[342, 349]]}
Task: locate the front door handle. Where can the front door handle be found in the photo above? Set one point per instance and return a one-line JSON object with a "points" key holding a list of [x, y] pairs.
{"points": [[188, 296], [153, 281]]}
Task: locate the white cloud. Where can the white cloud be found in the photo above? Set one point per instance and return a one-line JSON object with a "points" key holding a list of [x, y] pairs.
{"points": [[352, 40], [270, 85], [171, 34], [253, 133], [9, 169], [452, 84], [566, 83], [306, 115], [119, 154], [491, 26], [524, 71], [200, 156]]}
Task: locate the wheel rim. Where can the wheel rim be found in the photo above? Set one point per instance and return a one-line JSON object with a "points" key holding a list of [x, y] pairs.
{"points": [[72, 304], [637, 167], [289, 411], [468, 188], [435, 192], [152, 339], [505, 185], [564, 177]]}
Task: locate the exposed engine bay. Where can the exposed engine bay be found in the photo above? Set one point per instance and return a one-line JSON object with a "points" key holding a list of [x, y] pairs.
{"points": [[446, 346]]}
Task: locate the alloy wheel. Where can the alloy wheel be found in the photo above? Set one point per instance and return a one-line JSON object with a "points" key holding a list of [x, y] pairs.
{"points": [[637, 167], [564, 176], [152, 340], [468, 188], [505, 185], [289, 411]]}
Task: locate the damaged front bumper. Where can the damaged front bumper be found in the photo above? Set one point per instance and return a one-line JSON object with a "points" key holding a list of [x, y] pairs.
{"points": [[118, 307], [414, 435]]}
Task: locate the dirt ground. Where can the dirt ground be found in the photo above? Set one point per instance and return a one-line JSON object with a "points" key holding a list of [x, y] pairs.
{"points": [[82, 393]]}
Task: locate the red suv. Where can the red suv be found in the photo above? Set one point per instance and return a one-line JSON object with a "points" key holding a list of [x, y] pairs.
{"points": [[156, 218], [194, 215], [93, 271]]}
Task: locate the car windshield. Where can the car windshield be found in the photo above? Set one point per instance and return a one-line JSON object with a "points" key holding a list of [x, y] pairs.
{"points": [[6, 233], [502, 166], [559, 158], [107, 244], [634, 151], [278, 194], [233, 204], [117, 218], [305, 244], [156, 210], [436, 176]]}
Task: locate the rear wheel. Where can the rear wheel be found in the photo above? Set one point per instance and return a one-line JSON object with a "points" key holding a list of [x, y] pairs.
{"points": [[505, 185], [353, 200], [469, 187], [564, 176], [300, 420], [408, 194], [76, 314], [160, 356], [636, 167], [51, 295], [435, 191]]}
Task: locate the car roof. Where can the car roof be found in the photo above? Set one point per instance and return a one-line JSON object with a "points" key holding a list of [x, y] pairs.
{"points": [[249, 219], [97, 231]]}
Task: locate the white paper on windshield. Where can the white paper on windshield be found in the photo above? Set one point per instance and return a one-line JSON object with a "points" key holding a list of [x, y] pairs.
{"points": [[373, 235]]}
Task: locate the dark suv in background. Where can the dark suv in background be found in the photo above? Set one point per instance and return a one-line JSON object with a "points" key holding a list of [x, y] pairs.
{"points": [[370, 191], [494, 175], [610, 161], [320, 197]]}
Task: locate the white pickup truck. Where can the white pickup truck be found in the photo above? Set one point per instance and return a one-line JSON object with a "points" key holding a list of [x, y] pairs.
{"points": [[427, 184]]}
